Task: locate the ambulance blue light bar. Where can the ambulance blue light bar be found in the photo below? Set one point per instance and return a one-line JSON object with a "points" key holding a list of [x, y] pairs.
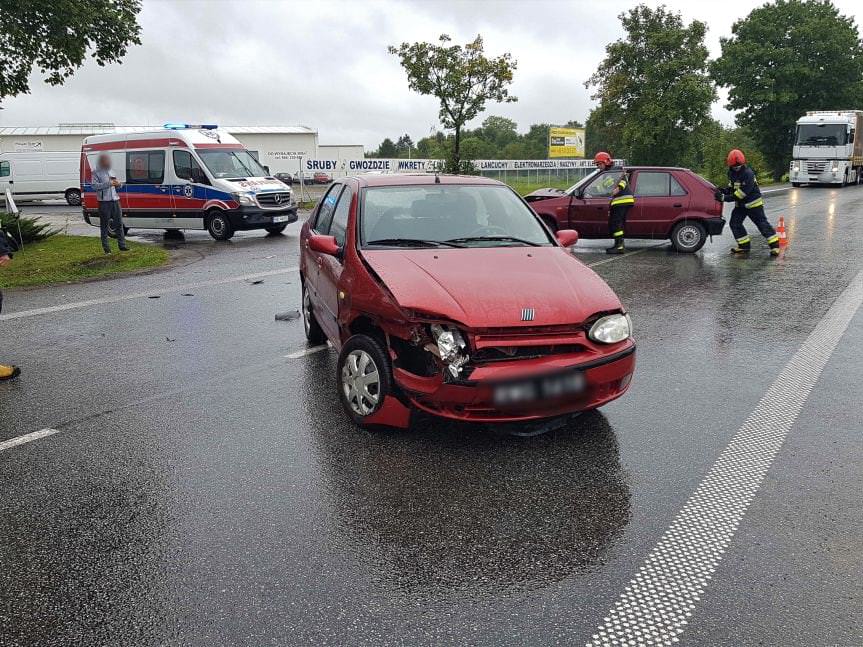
{"points": [[185, 126]]}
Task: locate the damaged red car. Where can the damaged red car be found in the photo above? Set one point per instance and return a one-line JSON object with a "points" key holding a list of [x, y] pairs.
{"points": [[448, 294]]}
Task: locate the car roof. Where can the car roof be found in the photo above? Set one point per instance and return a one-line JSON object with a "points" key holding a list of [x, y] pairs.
{"points": [[406, 179]]}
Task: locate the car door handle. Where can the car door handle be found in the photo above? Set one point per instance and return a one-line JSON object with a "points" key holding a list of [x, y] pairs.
{"points": [[677, 204]]}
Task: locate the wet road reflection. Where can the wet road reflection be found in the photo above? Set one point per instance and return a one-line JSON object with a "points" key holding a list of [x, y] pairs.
{"points": [[447, 510]]}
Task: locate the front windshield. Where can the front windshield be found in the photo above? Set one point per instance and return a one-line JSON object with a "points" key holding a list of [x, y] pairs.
{"points": [[231, 163], [583, 181], [821, 135], [447, 216]]}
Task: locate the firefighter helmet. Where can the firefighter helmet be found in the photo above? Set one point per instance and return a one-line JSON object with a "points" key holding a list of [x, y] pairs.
{"points": [[602, 158], [735, 158]]}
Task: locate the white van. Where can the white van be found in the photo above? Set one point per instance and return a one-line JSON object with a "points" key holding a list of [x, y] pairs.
{"points": [[40, 175], [187, 176]]}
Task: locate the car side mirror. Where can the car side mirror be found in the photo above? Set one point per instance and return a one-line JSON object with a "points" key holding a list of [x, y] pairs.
{"points": [[567, 237], [324, 245]]}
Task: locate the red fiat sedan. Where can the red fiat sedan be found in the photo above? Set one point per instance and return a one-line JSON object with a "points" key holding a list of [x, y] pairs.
{"points": [[447, 294], [672, 203]]}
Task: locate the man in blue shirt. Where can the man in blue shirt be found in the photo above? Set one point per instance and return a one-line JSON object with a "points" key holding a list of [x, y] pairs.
{"points": [[105, 184]]}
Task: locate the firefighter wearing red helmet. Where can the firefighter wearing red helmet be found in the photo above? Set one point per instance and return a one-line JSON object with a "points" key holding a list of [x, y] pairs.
{"points": [[621, 201], [743, 190]]}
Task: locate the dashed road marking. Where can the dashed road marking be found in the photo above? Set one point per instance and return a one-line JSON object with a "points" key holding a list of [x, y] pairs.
{"points": [[26, 438], [140, 295], [307, 351], [658, 603]]}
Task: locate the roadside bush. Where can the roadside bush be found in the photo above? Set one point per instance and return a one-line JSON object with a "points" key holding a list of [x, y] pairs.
{"points": [[31, 229]]}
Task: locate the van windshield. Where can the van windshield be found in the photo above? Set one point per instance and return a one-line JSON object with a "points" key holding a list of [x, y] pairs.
{"points": [[231, 163]]}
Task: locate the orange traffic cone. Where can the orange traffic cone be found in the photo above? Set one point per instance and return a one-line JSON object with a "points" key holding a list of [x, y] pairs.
{"points": [[780, 229]]}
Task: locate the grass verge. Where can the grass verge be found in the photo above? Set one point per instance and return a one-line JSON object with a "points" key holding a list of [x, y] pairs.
{"points": [[64, 259]]}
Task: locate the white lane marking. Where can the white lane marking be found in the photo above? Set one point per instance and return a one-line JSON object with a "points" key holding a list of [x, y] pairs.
{"points": [[159, 291], [627, 255], [307, 351], [656, 606], [26, 438]]}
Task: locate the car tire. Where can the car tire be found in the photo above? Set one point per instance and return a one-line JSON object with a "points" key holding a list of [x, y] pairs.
{"points": [[219, 225], [314, 333], [688, 236], [361, 357], [276, 229], [795, 184], [73, 197]]}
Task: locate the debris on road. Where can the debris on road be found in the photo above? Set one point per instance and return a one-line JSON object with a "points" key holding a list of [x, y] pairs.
{"points": [[290, 315]]}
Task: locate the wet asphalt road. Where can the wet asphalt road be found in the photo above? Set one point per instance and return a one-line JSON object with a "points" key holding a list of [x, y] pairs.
{"points": [[205, 489]]}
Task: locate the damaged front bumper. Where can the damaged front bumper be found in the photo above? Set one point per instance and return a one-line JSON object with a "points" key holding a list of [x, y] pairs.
{"points": [[601, 379]]}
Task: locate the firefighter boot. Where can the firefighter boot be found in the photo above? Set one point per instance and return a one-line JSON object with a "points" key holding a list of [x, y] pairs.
{"points": [[743, 245], [8, 372], [773, 241], [618, 247]]}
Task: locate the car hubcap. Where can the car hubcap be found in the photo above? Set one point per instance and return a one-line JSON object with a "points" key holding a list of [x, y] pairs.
{"points": [[307, 312], [217, 225], [688, 236], [361, 382]]}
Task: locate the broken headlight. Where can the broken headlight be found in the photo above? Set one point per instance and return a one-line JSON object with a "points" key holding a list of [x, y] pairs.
{"points": [[450, 347]]}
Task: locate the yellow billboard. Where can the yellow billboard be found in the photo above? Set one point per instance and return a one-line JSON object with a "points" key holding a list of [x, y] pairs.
{"points": [[565, 142]]}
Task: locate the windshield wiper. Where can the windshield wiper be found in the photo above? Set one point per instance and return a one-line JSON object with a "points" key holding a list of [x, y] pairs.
{"points": [[506, 239], [413, 242]]}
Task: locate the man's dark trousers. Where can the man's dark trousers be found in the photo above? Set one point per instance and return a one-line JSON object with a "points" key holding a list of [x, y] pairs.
{"points": [[109, 212]]}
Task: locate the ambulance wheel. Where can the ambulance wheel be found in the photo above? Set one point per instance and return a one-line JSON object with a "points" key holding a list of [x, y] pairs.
{"points": [[276, 229], [219, 226], [795, 184], [688, 236], [73, 197], [112, 230]]}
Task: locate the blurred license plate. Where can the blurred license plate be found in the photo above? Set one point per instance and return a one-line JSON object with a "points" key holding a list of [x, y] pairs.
{"points": [[547, 387], [280, 218]]}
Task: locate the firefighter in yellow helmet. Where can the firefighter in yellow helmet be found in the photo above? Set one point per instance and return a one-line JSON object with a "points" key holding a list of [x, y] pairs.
{"points": [[6, 372], [621, 202]]}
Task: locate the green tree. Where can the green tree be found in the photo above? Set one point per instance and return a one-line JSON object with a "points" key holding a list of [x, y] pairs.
{"points": [[784, 59], [653, 88], [462, 78], [387, 149], [56, 37]]}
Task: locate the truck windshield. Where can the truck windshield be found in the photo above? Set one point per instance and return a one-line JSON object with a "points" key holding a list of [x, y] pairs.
{"points": [[821, 135], [231, 163]]}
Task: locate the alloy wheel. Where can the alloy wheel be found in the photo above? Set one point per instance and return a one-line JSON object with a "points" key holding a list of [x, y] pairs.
{"points": [[361, 382]]}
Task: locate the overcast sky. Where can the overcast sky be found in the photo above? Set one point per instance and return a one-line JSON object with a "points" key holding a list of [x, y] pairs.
{"points": [[325, 64]]}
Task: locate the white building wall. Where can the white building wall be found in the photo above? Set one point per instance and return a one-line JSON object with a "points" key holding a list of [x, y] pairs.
{"points": [[280, 152], [32, 143]]}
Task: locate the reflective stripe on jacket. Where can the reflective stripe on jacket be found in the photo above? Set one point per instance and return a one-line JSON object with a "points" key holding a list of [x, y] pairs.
{"points": [[623, 194], [743, 185]]}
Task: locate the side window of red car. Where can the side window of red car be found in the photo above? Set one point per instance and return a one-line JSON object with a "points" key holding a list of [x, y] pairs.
{"points": [[676, 187], [653, 184], [325, 212], [340, 218]]}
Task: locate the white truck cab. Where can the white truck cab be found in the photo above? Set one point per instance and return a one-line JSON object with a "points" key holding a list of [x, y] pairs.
{"points": [[828, 148], [187, 176]]}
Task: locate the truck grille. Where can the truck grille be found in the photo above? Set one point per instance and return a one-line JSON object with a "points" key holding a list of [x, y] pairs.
{"points": [[275, 199], [816, 167]]}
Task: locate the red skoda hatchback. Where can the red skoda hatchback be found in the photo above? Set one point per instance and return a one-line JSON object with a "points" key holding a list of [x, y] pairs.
{"points": [[448, 294]]}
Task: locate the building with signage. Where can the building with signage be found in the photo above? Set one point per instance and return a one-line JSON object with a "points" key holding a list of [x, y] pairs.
{"points": [[281, 148]]}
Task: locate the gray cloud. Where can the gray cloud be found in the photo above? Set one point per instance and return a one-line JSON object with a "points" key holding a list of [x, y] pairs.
{"points": [[325, 64]]}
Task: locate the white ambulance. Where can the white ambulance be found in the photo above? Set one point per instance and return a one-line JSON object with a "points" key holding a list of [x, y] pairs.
{"points": [[187, 176]]}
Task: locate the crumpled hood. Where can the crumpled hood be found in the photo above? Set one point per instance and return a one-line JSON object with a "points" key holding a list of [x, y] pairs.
{"points": [[489, 287], [544, 194]]}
